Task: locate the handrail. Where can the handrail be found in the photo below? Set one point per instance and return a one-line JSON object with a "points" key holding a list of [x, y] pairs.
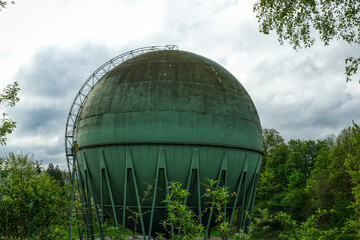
{"points": [[85, 90]]}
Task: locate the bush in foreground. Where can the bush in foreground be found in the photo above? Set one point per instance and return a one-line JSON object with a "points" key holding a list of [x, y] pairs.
{"points": [[32, 204]]}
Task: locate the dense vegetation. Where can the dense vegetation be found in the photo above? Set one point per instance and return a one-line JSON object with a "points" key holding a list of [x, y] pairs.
{"points": [[310, 181], [307, 190], [33, 203]]}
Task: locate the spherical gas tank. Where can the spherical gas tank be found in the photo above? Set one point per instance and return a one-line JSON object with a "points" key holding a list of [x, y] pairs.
{"points": [[168, 116]]}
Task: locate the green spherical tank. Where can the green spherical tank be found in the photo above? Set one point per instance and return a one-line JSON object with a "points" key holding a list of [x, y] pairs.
{"points": [[168, 116]]}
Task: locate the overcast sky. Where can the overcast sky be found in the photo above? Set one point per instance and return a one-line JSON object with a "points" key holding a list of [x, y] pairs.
{"points": [[52, 47]]}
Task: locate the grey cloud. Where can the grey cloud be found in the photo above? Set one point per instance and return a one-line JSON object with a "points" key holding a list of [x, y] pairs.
{"points": [[38, 120], [314, 81], [301, 94], [53, 71], [48, 85]]}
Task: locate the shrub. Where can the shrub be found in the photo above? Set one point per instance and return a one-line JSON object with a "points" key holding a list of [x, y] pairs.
{"points": [[32, 204], [180, 216]]}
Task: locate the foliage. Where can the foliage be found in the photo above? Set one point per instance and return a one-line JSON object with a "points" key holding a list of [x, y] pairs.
{"points": [[271, 140], [282, 185], [329, 185], [261, 228], [114, 233], [300, 177], [56, 174], [318, 187], [218, 197], [32, 204], [139, 213], [272, 180], [290, 229], [8, 98], [352, 164], [296, 22], [3, 4], [180, 216]]}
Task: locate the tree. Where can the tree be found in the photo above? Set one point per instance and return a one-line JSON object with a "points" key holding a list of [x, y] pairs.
{"points": [[8, 98], [301, 177], [340, 179], [318, 185], [271, 140], [298, 21], [282, 185], [330, 184], [4, 3], [298, 168], [180, 216], [56, 174], [32, 205], [273, 179], [352, 164]]}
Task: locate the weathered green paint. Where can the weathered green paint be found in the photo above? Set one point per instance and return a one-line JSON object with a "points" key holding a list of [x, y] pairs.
{"points": [[169, 97], [177, 114]]}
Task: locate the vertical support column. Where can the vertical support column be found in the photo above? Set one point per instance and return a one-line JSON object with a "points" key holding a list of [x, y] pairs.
{"points": [[195, 168], [90, 187], [130, 169], [241, 185], [87, 197], [79, 182], [160, 166], [125, 192], [251, 201], [102, 173], [222, 171], [105, 172], [72, 179], [83, 199], [242, 211]]}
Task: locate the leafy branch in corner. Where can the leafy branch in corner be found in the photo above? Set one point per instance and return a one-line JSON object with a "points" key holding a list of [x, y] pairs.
{"points": [[8, 98], [298, 22]]}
